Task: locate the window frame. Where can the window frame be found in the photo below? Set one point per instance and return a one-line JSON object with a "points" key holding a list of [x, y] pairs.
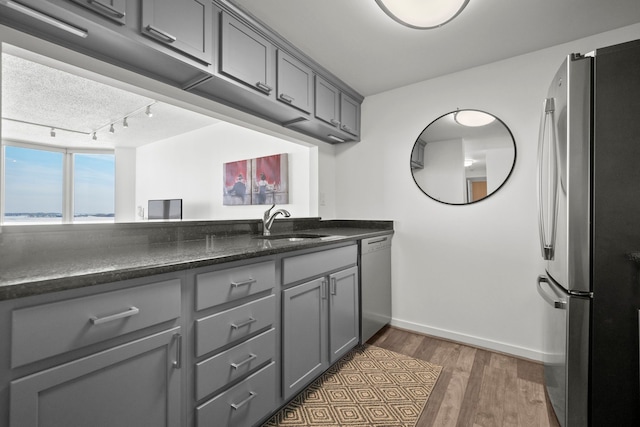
{"points": [[67, 174]]}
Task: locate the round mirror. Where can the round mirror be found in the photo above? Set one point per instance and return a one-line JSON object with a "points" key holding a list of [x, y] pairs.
{"points": [[463, 157]]}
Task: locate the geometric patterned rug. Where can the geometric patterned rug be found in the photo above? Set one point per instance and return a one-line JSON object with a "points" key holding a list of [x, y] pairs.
{"points": [[368, 387]]}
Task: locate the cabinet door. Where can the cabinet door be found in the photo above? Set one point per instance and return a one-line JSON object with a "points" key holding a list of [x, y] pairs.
{"points": [[111, 9], [185, 25], [246, 55], [343, 312], [349, 115], [327, 102], [295, 82], [135, 384], [303, 334]]}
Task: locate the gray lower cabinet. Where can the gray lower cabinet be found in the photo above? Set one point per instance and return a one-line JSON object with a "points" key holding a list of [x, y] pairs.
{"points": [[135, 384], [320, 317], [183, 25], [344, 314], [304, 334], [235, 348]]}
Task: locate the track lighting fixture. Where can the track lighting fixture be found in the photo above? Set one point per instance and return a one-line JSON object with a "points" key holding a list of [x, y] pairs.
{"points": [[94, 137], [52, 133], [125, 124], [148, 112], [111, 129]]}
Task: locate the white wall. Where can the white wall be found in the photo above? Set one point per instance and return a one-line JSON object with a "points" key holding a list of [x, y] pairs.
{"points": [[190, 167], [462, 272]]}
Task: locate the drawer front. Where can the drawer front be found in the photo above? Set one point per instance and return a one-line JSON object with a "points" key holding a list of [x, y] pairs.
{"points": [[214, 331], [217, 371], [50, 329], [317, 263], [243, 404], [222, 286]]}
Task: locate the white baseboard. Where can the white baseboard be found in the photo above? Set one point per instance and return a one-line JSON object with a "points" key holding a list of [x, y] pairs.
{"points": [[497, 346]]}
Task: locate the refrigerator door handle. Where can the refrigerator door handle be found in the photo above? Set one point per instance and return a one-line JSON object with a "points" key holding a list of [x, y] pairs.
{"points": [[548, 108], [550, 299]]}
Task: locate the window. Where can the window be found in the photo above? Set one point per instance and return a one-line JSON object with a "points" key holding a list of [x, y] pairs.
{"points": [[93, 187], [34, 190]]}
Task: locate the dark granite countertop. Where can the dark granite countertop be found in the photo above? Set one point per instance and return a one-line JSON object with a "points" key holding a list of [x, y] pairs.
{"points": [[40, 260]]}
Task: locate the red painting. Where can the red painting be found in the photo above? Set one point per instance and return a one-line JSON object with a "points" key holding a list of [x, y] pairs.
{"points": [[260, 181]]}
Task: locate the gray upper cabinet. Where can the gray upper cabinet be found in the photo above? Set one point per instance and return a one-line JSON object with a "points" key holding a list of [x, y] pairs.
{"points": [[184, 25], [295, 82], [349, 115], [337, 109], [246, 56], [327, 102], [114, 10]]}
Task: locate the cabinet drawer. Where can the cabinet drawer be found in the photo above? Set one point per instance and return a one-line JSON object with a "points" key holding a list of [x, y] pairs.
{"points": [[231, 325], [317, 263], [217, 371], [222, 286], [49, 329], [243, 404]]}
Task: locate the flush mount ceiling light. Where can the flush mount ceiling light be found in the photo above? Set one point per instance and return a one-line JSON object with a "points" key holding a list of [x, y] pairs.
{"points": [[422, 14], [473, 118]]}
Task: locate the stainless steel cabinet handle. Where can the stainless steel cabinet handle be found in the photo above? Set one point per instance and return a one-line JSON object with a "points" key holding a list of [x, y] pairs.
{"points": [[243, 324], [178, 362], [237, 406], [555, 303], [376, 241], [264, 87], [547, 247], [286, 98], [243, 283], [335, 122], [107, 8], [323, 290], [346, 128], [244, 362], [166, 36], [45, 18], [100, 320], [335, 138], [334, 286]]}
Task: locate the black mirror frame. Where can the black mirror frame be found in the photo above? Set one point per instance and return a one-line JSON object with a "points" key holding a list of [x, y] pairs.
{"points": [[506, 178]]}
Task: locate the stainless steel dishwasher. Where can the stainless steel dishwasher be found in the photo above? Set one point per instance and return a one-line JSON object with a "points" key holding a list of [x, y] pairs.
{"points": [[375, 285]]}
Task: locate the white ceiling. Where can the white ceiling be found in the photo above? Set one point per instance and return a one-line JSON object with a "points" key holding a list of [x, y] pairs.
{"points": [[359, 43], [353, 39], [44, 96]]}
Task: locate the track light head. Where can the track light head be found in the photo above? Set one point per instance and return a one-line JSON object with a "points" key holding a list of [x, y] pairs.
{"points": [[125, 124], [111, 129], [94, 137], [148, 112], [52, 133]]}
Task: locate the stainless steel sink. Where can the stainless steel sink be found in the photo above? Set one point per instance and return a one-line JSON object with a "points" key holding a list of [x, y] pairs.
{"points": [[292, 237]]}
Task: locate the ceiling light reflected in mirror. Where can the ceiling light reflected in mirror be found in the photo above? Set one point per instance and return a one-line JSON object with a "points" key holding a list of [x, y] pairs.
{"points": [[473, 118], [422, 14]]}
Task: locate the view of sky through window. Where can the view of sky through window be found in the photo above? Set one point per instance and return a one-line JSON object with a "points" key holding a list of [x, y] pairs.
{"points": [[34, 186]]}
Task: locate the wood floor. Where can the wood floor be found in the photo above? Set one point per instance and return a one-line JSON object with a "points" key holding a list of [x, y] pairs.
{"points": [[477, 388]]}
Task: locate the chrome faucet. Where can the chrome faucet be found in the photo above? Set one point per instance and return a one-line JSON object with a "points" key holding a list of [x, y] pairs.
{"points": [[268, 217]]}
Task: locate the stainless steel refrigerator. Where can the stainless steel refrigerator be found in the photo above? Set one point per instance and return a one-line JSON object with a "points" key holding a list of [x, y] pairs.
{"points": [[589, 223]]}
